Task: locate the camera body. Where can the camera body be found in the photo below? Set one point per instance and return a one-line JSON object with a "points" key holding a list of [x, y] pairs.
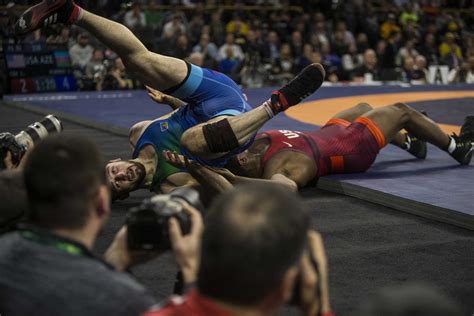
{"points": [[147, 224]]}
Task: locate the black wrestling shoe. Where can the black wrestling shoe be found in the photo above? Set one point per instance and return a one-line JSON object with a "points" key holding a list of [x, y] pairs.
{"points": [[467, 129], [45, 13], [417, 147], [303, 85], [463, 151]]}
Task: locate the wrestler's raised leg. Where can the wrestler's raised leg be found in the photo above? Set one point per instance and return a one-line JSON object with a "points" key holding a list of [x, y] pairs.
{"points": [[233, 131], [154, 70], [225, 134], [158, 71]]}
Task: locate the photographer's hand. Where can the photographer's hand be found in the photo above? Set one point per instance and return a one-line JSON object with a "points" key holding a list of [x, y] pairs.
{"points": [[12, 154], [187, 248], [8, 161], [314, 299], [9, 164], [121, 258]]}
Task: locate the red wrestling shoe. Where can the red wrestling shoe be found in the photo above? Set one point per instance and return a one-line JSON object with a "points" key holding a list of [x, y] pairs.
{"points": [[45, 13], [303, 85]]}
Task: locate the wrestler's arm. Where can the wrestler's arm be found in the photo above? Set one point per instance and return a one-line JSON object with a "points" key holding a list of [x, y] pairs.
{"points": [[210, 180], [273, 179], [299, 171], [160, 97], [221, 179], [224, 179]]}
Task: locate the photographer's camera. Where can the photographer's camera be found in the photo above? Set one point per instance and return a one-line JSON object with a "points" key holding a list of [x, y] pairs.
{"points": [[147, 224], [18, 144]]}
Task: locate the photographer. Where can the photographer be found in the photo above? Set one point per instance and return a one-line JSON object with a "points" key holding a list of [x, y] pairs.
{"points": [[116, 77], [47, 268], [13, 152], [257, 252], [12, 191]]}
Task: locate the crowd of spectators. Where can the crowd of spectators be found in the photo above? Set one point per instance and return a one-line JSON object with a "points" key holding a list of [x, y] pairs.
{"points": [[361, 41]]}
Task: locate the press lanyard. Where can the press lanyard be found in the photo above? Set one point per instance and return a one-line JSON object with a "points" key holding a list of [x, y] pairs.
{"points": [[54, 242], [62, 244]]}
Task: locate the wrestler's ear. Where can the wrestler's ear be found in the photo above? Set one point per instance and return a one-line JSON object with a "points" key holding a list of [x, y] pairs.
{"points": [[243, 160], [115, 160]]}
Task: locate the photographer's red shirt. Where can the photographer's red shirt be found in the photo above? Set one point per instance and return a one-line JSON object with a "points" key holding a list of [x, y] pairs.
{"points": [[192, 304]]}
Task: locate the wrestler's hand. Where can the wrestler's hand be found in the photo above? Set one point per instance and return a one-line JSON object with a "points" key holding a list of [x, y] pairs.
{"points": [[177, 160], [226, 173], [183, 162], [159, 97], [121, 258], [187, 248]]}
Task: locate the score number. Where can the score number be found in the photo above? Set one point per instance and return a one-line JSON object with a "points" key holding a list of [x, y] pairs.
{"points": [[43, 84]]}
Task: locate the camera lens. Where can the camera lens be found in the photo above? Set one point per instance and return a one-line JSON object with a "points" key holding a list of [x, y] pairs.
{"points": [[39, 130]]}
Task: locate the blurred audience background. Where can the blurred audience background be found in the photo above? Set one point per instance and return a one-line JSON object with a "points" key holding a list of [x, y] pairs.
{"points": [[266, 42]]}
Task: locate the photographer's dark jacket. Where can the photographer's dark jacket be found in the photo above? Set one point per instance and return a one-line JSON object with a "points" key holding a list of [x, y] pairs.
{"points": [[44, 274], [13, 205]]}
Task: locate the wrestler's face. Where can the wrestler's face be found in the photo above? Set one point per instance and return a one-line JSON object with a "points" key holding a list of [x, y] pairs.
{"points": [[246, 164], [124, 176]]}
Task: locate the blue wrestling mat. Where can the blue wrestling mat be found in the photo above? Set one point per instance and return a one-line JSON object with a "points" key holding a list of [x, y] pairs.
{"points": [[437, 187]]}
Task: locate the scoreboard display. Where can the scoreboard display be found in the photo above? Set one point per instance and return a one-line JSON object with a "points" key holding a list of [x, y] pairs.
{"points": [[38, 68]]}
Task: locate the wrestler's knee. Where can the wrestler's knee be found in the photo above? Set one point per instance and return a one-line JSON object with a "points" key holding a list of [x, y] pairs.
{"points": [[193, 141], [210, 138], [402, 107], [364, 107], [136, 61], [404, 110]]}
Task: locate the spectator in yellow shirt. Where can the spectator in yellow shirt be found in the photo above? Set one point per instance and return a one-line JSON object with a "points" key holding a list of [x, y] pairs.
{"points": [[389, 26], [237, 27], [449, 46]]}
